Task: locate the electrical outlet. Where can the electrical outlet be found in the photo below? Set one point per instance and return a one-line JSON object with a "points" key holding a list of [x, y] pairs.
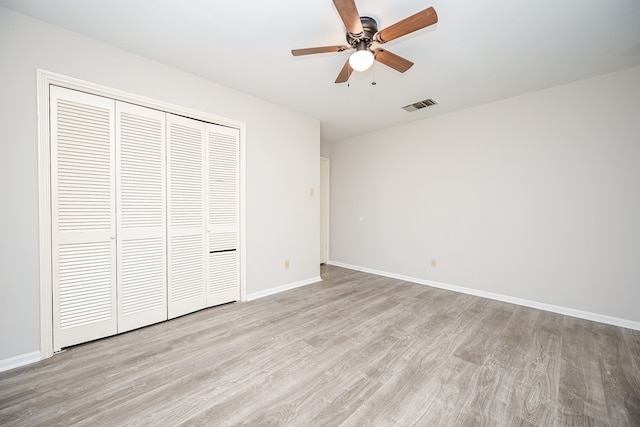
{"points": [[434, 262], [286, 264], [312, 191]]}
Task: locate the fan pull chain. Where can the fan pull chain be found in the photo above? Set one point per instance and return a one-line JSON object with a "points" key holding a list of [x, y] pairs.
{"points": [[373, 82]]}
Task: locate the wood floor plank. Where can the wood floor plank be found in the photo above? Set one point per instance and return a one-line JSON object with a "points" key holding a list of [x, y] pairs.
{"points": [[581, 395], [535, 394], [619, 383], [354, 349]]}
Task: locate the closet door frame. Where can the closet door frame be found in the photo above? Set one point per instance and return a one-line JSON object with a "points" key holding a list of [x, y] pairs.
{"points": [[45, 79]]}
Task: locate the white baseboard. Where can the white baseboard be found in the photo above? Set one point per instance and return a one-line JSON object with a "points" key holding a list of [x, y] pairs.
{"points": [[21, 360], [596, 317], [276, 290]]}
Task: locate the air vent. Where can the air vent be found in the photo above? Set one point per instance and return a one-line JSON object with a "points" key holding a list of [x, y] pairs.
{"points": [[419, 105]]}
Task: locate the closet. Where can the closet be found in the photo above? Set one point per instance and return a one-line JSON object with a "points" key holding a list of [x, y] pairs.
{"points": [[145, 208]]}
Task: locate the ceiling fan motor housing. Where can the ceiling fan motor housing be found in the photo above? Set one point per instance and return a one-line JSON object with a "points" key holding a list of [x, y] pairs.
{"points": [[370, 28]]}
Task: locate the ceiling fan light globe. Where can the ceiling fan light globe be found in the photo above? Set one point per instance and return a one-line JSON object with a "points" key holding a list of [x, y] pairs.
{"points": [[361, 60]]}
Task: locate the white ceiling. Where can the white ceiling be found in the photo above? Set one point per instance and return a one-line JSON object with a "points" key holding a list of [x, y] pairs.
{"points": [[480, 51]]}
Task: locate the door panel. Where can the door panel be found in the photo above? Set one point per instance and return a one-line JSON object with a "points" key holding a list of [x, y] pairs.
{"points": [[324, 210], [186, 228], [140, 161], [83, 216], [223, 215]]}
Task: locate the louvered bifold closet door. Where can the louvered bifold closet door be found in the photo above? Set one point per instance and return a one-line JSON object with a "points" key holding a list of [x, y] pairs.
{"points": [[83, 216], [186, 208], [222, 215], [140, 160]]}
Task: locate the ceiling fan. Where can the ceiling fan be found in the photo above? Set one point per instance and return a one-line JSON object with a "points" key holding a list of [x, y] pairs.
{"points": [[363, 36]]}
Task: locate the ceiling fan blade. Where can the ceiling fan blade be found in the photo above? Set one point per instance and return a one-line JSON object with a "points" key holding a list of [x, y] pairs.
{"points": [[344, 73], [408, 25], [392, 60], [323, 49], [350, 16]]}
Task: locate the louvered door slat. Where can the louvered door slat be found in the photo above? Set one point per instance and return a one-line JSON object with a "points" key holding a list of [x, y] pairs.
{"points": [[140, 157], [186, 229], [223, 214], [83, 216], [223, 278], [223, 241], [85, 283]]}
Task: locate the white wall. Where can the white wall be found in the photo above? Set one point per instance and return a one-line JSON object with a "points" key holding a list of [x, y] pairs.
{"points": [[282, 163], [535, 197]]}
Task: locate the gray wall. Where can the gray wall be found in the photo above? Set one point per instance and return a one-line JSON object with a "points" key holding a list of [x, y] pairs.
{"points": [[535, 197], [282, 220]]}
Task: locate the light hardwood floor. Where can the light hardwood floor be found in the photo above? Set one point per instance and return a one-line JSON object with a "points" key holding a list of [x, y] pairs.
{"points": [[355, 349]]}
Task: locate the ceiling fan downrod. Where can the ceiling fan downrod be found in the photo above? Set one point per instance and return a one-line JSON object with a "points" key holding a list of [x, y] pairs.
{"points": [[369, 27]]}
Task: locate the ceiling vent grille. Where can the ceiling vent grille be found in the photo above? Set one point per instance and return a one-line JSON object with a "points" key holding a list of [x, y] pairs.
{"points": [[419, 105]]}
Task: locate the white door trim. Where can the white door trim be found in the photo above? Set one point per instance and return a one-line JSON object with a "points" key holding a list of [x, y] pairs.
{"points": [[46, 79]]}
